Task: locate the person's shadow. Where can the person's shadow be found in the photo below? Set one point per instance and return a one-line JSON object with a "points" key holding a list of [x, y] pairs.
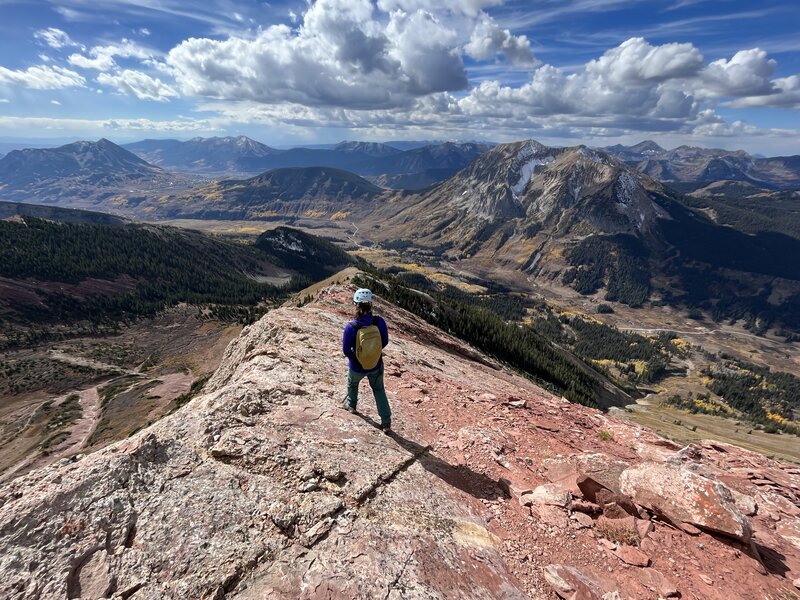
{"points": [[462, 477]]}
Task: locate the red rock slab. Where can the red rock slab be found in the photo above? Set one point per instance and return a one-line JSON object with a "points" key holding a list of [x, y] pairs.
{"points": [[655, 581], [571, 584], [682, 496], [631, 556]]}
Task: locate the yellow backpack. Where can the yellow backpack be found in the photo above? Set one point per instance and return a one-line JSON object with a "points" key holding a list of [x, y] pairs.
{"points": [[369, 346]]}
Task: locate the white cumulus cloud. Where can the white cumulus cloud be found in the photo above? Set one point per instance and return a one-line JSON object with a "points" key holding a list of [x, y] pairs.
{"points": [[624, 85], [342, 55], [636, 61], [101, 58], [488, 40], [141, 85], [747, 73], [42, 77]]}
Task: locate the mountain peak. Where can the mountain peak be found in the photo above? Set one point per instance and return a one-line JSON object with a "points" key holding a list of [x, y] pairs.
{"points": [[647, 147], [74, 170]]}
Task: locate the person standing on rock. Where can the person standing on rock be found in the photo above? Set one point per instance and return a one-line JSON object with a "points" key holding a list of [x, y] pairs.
{"points": [[363, 342]]}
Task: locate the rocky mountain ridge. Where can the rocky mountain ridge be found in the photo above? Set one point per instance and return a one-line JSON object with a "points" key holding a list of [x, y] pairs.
{"points": [[694, 167], [505, 198], [581, 217], [431, 162], [83, 174], [490, 488]]}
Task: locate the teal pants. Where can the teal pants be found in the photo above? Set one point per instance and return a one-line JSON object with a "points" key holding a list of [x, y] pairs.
{"points": [[376, 383]]}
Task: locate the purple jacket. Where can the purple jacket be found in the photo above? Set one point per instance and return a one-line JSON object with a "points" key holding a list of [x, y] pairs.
{"points": [[349, 340]]}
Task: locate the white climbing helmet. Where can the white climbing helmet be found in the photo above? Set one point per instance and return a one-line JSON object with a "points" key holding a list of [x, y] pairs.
{"points": [[362, 295]]}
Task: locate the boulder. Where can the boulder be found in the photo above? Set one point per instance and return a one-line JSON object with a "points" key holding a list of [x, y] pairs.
{"points": [[549, 495], [682, 496], [601, 468], [571, 584], [655, 581], [631, 556]]}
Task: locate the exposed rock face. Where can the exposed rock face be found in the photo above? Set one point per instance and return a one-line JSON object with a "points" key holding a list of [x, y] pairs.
{"points": [[571, 584], [264, 488], [513, 191], [685, 497]]}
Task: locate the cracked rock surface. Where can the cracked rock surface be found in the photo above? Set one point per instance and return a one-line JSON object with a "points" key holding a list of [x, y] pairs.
{"points": [[263, 487]]}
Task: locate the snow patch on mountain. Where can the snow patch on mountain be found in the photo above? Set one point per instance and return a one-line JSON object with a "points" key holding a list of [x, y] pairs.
{"points": [[626, 186], [532, 155]]}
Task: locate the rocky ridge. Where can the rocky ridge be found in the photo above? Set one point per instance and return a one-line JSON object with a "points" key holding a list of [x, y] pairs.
{"points": [[489, 488], [698, 166]]}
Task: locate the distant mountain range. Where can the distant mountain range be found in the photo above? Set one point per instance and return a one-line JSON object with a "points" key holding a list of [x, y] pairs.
{"points": [[216, 154], [591, 219], [316, 192], [84, 174], [417, 166], [691, 167]]}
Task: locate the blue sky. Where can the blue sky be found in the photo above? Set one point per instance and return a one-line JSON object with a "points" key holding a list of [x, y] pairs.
{"points": [[704, 72]]}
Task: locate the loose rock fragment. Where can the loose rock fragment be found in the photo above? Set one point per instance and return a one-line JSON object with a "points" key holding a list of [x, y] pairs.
{"points": [[685, 497]]}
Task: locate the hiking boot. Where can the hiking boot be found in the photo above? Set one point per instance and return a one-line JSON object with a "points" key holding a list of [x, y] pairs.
{"points": [[386, 428], [349, 407]]}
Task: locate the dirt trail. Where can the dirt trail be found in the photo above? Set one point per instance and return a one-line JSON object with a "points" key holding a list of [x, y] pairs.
{"points": [[83, 429], [89, 363], [79, 434], [171, 386]]}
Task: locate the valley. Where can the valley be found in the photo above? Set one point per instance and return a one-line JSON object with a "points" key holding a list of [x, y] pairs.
{"points": [[114, 384], [571, 234], [107, 325]]}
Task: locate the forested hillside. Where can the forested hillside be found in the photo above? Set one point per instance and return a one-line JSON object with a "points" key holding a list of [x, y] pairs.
{"points": [[302, 252], [481, 325], [62, 273]]}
